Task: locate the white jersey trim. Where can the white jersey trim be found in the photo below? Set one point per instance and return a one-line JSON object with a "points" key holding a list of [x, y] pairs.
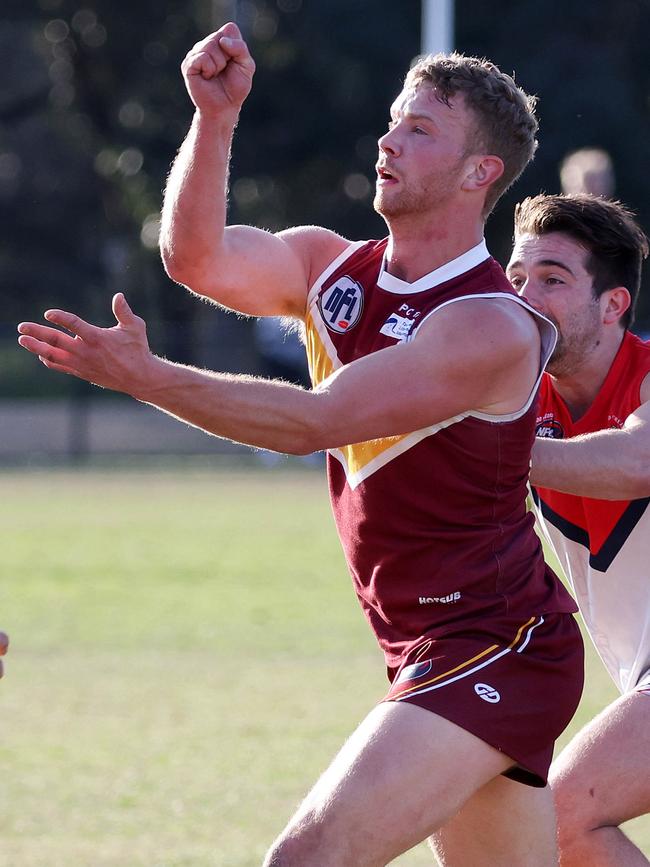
{"points": [[458, 266], [318, 324], [548, 334], [404, 444], [333, 265]]}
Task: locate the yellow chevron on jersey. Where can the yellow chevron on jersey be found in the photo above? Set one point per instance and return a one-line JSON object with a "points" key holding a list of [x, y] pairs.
{"points": [[359, 460], [321, 357]]}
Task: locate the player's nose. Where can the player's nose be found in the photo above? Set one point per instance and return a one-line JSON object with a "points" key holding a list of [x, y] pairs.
{"points": [[528, 293], [388, 143]]}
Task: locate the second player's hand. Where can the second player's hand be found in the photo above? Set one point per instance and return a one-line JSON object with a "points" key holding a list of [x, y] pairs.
{"points": [[118, 358], [218, 71]]}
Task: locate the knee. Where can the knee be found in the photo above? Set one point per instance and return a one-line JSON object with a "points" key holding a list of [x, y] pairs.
{"points": [[296, 848], [574, 822], [280, 854]]}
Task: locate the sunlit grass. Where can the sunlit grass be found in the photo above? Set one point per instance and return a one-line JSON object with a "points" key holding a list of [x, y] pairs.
{"points": [[187, 655]]}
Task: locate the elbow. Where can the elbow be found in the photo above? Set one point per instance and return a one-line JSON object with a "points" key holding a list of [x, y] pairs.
{"points": [[312, 435], [301, 450], [639, 485], [631, 482], [175, 268], [181, 265], [186, 274], [635, 470], [305, 442]]}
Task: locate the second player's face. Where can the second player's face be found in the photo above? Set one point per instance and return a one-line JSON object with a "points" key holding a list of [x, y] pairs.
{"points": [[550, 272], [422, 156]]}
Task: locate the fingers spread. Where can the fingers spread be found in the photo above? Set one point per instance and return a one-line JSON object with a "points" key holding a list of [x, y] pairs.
{"points": [[45, 350], [73, 323], [48, 335], [62, 368], [121, 310]]}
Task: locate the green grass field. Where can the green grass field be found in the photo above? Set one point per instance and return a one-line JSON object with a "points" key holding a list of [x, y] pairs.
{"points": [[187, 654]]}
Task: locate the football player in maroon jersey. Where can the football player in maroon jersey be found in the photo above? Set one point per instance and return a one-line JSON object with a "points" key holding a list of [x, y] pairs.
{"points": [[425, 365]]}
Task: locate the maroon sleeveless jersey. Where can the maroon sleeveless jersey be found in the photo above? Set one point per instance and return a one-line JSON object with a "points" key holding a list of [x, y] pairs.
{"points": [[433, 524]]}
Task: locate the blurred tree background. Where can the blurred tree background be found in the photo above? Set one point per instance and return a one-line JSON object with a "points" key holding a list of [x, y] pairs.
{"points": [[93, 109]]}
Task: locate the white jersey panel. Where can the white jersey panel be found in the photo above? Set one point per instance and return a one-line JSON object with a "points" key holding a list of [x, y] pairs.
{"points": [[615, 604]]}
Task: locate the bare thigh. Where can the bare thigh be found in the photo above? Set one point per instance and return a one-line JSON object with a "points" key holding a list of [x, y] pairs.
{"points": [[400, 776], [504, 824], [602, 778]]}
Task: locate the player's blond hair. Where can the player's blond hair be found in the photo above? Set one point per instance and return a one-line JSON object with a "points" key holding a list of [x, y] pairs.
{"points": [[506, 124]]}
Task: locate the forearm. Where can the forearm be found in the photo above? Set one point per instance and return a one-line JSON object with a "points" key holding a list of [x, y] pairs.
{"points": [[195, 204], [268, 414], [607, 465]]}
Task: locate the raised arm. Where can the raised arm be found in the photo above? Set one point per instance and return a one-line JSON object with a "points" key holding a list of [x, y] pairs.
{"points": [[612, 464], [241, 267], [436, 375]]}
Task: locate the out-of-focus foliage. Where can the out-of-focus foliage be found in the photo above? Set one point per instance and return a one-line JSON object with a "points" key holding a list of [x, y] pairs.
{"points": [[590, 66], [93, 109]]}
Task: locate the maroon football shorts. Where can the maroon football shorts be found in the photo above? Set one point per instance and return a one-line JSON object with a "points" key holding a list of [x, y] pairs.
{"points": [[515, 683]]}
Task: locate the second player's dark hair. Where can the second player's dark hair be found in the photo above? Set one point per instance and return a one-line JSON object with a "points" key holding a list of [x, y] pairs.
{"points": [[608, 230]]}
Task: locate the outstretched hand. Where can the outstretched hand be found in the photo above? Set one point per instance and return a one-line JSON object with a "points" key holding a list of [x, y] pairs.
{"points": [[218, 71], [118, 358]]}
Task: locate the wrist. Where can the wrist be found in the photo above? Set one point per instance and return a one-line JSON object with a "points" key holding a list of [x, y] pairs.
{"points": [[217, 119], [149, 378]]}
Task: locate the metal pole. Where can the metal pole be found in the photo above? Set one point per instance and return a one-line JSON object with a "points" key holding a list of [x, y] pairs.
{"points": [[437, 26]]}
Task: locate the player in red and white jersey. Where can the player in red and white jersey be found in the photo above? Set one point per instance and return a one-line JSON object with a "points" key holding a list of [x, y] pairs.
{"points": [[578, 260], [425, 367]]}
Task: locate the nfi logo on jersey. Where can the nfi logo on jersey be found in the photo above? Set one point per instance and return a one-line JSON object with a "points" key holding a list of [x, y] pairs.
{"points": [[341, 305], [548, 427]]}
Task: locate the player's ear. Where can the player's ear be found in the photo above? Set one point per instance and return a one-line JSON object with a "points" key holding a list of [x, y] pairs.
{"points": [[615, 302], [482, 170]]}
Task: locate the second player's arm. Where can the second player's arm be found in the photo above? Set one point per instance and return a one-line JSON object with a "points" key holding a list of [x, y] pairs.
{"points": [[612, 464]]}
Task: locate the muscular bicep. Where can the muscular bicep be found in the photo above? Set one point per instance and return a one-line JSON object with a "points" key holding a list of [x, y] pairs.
{"points": [[434, 378], [260, 273]]}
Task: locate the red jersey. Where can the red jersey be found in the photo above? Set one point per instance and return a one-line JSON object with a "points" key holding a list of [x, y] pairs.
{"points": [[433, 523], [603, 544]]}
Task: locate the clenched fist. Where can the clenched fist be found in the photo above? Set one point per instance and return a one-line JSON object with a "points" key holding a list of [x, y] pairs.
{"points": [[218, 71]]}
